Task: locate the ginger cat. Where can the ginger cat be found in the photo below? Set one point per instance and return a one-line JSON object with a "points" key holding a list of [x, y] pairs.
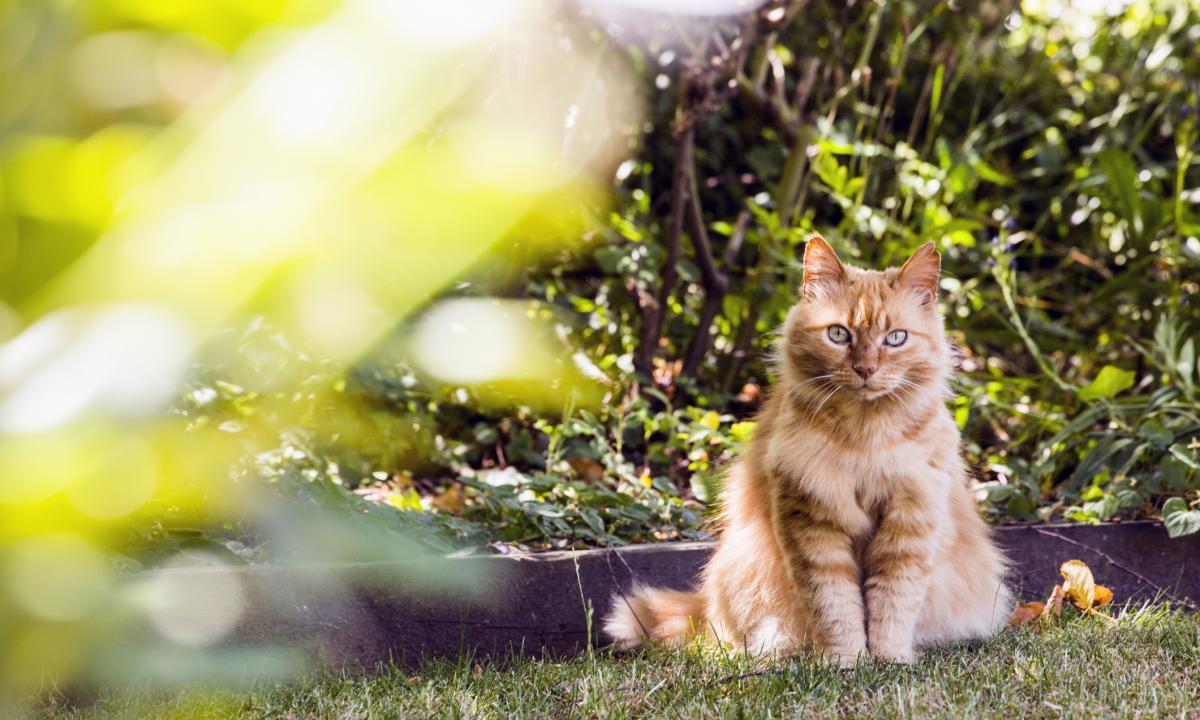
{"points": [[847, 527]]}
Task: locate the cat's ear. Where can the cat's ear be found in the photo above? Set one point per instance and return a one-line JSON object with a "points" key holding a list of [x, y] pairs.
{"points": [[822, 267], [920, 274]]}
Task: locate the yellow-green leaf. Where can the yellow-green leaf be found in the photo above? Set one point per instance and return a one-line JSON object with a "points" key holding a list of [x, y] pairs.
{"points": [[1110, 381]]}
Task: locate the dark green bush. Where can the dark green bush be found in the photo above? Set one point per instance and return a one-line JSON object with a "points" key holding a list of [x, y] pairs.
{"points": [[1051, 158]]}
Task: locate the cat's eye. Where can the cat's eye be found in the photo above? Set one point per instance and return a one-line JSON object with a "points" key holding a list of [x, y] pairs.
{"points": [[838, 334], [896, 338]]}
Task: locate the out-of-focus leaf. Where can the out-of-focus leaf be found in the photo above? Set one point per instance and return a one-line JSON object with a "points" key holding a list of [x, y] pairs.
{"points": [[451, 500], [1121, 175], [1110, 381], [1185, 456]]}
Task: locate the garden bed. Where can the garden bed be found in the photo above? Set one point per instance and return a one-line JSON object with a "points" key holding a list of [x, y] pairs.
{"points": [[531, 604]]}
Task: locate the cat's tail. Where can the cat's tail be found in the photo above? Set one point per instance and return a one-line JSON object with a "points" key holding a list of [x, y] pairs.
{"points": [[665, 617]]}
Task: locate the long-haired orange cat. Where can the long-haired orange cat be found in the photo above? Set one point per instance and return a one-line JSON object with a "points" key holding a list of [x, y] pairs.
{"points": [[847, 527]]}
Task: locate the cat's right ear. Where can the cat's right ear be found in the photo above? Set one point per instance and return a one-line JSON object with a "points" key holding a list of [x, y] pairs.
{"points": [[822, 268]]}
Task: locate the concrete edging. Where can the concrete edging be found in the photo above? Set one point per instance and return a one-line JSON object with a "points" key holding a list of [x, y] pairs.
{"points": [[537, 604]]}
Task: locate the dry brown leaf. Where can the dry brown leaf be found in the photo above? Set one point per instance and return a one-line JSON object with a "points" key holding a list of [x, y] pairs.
{"points": [[1054, 603], [749, 393], [451, 500], [586, 469], [1026, 613]]}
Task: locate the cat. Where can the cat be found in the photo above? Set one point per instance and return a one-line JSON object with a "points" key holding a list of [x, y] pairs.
{"points": [[847, 527]]}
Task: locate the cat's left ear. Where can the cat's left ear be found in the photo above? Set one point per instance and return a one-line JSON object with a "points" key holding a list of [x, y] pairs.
{"points": [[920, 274]]}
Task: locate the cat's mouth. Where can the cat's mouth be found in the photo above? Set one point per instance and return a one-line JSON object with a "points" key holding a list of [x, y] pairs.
{"points": [[872, 393]]}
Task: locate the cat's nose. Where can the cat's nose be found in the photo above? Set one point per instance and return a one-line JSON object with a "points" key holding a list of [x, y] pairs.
{"points": [[865, 371]]}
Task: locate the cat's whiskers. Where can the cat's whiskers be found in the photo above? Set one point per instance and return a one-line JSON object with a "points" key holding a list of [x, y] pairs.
{"points": [[804, 395], [824, 400]]}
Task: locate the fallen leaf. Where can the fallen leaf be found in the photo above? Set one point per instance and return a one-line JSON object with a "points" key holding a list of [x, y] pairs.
{"points": [[587, 469], [1026, 613], [1078, 583], [749, 393], [1054, 603], [451, 500], [1103, 596], [1080, 586]]}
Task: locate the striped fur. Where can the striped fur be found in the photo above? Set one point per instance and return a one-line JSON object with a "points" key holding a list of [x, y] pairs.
{"points": [[847, 527]]}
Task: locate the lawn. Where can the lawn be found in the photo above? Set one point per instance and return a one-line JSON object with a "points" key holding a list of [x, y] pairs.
{"points": [[1147, 664]]}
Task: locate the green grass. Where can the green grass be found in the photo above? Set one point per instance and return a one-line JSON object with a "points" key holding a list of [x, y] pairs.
{"points": [[1148, 665]]}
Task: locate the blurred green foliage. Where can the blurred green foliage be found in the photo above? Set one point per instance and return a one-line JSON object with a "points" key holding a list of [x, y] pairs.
{"points": [[1048, 150]]}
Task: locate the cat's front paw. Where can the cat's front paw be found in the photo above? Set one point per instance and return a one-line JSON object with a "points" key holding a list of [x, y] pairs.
{"points": [[847, 657], [846, 662], [896, 653]]}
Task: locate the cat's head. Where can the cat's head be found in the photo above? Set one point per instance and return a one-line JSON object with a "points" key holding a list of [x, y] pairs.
{"points": [[865, 335]]}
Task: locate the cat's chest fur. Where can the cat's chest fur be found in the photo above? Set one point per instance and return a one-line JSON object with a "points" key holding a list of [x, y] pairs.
{"points": [[857, 482]]}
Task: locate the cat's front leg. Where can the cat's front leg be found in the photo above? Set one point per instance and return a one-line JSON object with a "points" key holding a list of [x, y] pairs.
{"points": [[824, 568], [898, 563]]}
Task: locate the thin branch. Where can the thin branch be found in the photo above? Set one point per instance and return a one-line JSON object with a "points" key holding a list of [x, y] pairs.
{"points": [[761, 103], [805, 86], [714, 280], [652, 319], [735, 241]]}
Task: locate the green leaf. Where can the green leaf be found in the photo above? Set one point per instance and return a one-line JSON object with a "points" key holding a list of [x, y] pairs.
{"points": [[742, 431], [703, 488], [939, 77], [1179, 518], [1184, 456], [1154, 431], [408, 500], [1121, 174], [1108, 383], [1104, 508], [987, 173], [1187, 361]]}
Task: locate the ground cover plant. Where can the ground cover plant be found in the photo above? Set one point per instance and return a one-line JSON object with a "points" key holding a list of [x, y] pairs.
{"points": [[1141, 666]]}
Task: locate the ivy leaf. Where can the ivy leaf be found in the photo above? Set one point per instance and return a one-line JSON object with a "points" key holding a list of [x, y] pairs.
{"points": [[1179, 518], [1110, 381]]}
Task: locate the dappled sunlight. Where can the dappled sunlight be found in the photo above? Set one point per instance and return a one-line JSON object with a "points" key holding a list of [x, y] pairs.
{"points": [[193, 608], [320, 169], [124, 361]]}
